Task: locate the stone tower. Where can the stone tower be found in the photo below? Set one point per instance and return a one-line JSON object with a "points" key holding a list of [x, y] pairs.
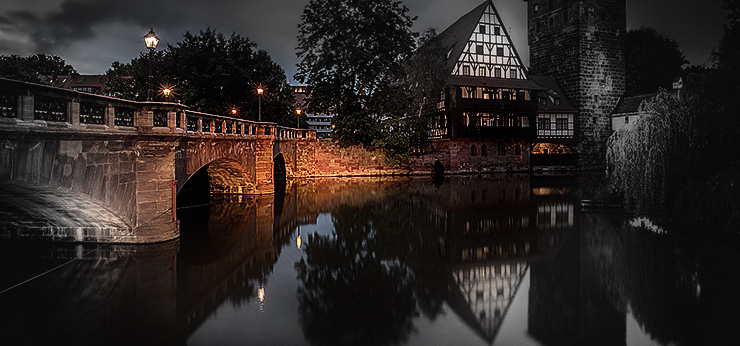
{"points": [[580, 44]]}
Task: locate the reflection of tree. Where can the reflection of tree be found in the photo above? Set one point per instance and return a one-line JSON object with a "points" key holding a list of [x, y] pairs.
{"points": [[352, 292]]}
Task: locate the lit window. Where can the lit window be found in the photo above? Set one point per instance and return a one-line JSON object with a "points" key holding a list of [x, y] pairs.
{"points": [[544, 124], [466, 70], [482, 71], [561, 124]]}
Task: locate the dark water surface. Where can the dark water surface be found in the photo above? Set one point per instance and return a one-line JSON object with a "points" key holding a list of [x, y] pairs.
{"points": [[504, 260]]}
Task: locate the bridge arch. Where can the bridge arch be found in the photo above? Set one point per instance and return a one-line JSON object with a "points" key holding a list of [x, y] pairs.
{"points": [[223, 176], [279, 169]]}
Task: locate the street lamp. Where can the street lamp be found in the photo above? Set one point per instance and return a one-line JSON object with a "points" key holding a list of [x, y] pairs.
{"points": [[151, 40], [260, 91], [298, 118]]}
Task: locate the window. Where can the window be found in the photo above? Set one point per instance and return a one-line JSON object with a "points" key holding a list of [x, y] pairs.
{"points": [[472, 150], [483, 150], [536, 8], [544, 124], [497, 72], [561, 124], [501, 149], [479, 49], [556, 101], [543, 101], [500, 51], [626, 120], [513, 73], [482, 29], [466, 70], [482, 72], [496, 30]]}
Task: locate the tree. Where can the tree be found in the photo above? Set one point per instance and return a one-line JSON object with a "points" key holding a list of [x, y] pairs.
{"points": [[351, 55], [212, 73], [652, 60], [31, 68], [727, 55]]}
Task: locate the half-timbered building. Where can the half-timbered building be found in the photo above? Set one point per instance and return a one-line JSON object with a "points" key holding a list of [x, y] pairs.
{"points": [[487, 116]]}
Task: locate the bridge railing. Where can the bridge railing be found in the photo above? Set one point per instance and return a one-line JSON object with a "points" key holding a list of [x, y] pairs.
{"points": [[43, 106]]}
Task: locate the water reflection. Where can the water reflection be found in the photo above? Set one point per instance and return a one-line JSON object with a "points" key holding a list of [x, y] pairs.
{"points": [[395, 261]]}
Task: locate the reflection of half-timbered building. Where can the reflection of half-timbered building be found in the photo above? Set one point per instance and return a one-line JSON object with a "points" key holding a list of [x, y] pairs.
{"points": [[488, 116]]}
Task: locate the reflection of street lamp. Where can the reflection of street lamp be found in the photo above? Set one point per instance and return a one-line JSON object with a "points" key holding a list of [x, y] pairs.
{"points": [[151, 40], [260, 91], [298, 118]]}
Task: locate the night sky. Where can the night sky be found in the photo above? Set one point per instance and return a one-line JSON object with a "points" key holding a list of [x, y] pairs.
{"points": [[90, 34]]}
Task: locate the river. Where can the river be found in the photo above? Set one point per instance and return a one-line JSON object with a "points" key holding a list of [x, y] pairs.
{"points": [[488, 260]]}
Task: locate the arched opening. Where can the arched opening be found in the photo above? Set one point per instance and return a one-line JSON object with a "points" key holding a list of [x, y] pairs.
{"points": [[438, 170], [472, 150], [483, 150], [219, 177], [279, 172]]}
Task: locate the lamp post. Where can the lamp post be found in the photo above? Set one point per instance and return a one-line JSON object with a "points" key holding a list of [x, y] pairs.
{"points": [[151, 40], [298, 118], [260, 91]]}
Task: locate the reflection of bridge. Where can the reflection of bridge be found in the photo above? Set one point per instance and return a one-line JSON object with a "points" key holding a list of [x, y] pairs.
{"points": [[125, 161]]}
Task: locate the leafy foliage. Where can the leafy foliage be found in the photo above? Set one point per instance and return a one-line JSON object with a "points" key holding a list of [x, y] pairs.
{"points": [[426, 74], [30, 68], [212, 73], [677, 162], [727, 55], [652, 59], [351, 54]]}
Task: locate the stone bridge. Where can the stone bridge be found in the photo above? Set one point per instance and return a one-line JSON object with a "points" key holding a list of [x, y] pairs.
{"points": [[87, 168]]}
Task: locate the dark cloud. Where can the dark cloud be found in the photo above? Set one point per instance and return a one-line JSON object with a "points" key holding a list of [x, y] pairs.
{"points": [[93, 33]]}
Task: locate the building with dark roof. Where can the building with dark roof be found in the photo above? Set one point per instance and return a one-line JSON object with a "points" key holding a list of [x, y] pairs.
{"points": [[628, 110], [92, 84], [492, 113]]}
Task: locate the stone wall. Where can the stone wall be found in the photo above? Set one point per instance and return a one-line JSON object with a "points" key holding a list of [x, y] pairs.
{"points": [[331, 159], [580, 44], [474, 155]]}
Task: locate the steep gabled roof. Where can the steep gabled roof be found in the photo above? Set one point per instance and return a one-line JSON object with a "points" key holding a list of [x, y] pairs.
{"points": [[479, 44], [459, 32]]}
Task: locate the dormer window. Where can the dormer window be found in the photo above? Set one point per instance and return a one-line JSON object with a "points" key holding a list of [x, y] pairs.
{"points": [[543, 101]]}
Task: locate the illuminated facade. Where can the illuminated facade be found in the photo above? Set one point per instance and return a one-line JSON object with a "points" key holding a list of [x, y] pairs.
{"points": [[321, 123]]}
